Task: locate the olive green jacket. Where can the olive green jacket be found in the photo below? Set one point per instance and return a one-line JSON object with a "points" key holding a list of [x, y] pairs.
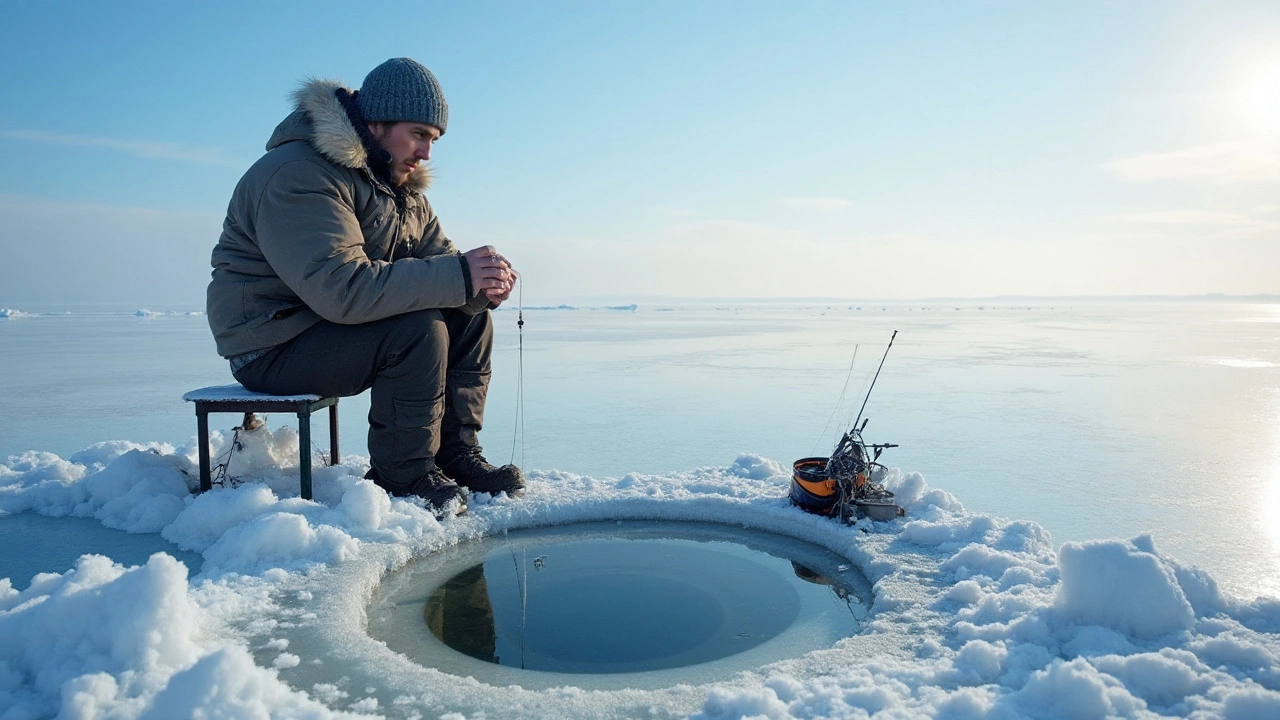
{"points": [[313, 234]]}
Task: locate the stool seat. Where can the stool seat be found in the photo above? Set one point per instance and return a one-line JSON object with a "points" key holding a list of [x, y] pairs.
{"points": [[235, 398], [236, 391]]}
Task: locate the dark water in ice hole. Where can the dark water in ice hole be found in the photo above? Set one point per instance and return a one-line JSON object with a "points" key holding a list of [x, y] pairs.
{"points": [[621, 598]]}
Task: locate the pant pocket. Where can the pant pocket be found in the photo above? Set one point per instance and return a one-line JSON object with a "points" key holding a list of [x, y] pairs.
{"points": [[417, 413], [417, 429]]}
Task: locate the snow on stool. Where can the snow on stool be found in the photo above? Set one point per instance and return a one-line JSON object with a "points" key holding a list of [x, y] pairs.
{"points": [[235, 398]]}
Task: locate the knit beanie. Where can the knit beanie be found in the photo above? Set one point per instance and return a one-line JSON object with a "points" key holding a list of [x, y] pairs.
{"points": [[402, 90]]}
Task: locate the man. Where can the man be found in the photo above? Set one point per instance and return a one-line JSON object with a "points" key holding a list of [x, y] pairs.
{"points": [[332, 276]]}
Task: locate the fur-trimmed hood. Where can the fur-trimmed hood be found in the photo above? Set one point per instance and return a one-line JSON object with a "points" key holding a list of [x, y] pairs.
{"points": [[320, 119]]}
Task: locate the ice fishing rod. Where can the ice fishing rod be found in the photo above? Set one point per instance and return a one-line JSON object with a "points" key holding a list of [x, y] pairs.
{"points": [[873, 385]]}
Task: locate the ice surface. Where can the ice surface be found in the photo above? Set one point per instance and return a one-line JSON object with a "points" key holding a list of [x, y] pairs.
{"points": [[1151, 424], [973, 616], [1096, 420], [67, 539]]}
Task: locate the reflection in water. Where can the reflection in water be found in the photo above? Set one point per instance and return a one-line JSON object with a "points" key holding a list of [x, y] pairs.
{"points": [[843, 593], [460, 614], [615, 606]]}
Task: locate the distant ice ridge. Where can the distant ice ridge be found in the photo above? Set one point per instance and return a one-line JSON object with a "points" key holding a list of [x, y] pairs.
{"points": [[974, 616], [625, 308], [145, 313], [140, 312]]}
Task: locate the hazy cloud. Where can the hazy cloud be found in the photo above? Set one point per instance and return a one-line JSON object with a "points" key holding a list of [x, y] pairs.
{"points": [[1147, 253], [1187, 217], [1196, 226], [816, 202], [58, 252], [1228, 162], [151, 149]]}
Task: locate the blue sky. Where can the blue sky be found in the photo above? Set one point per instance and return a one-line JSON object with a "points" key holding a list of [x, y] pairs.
{"points": [[699, 149]]}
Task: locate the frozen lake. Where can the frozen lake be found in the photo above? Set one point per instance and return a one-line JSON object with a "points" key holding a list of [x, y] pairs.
{"points": [[1096, 420]]}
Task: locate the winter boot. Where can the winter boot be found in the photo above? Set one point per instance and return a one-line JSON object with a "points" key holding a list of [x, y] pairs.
{"points": [[469, 469], [437, 490]]}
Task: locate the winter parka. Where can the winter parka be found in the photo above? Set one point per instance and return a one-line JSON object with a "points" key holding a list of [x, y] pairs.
{"points": [[313, 233]]}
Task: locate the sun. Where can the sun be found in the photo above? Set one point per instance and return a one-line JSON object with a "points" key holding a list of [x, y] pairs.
{"points": [[1257, 96]]}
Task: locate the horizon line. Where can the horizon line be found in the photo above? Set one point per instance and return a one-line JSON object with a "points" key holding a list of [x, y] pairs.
{"points": [[632, 299]]}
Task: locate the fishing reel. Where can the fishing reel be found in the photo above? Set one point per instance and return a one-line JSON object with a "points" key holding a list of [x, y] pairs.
{"points": [[849, 465]]}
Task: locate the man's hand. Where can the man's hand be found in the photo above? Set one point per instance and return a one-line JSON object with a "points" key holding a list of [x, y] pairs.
{"points": [[497, 297], [491, 274]]}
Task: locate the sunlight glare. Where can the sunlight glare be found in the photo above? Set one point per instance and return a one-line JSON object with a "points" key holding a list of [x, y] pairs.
{"points": [[1271, 494], [1257, 95]]}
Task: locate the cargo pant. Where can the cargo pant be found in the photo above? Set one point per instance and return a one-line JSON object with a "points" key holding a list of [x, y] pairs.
{"points": [[428, 371]]}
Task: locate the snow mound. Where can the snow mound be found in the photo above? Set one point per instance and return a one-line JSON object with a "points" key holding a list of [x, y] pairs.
{"points": [[1127, 588]]}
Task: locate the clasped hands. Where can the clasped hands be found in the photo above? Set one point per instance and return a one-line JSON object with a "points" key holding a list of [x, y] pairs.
{"points": [[491, 274]]}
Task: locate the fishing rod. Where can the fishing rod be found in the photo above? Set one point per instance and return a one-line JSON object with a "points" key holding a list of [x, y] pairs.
{"points": [[873, 385]]}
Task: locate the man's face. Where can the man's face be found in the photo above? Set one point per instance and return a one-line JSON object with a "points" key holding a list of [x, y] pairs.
{"points": [[409, 143]]}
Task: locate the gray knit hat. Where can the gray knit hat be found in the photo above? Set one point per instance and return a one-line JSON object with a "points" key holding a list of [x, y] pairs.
{"points": [[402, 90]]}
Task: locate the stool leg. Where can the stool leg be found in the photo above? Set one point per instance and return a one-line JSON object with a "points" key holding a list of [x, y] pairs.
{"points": [[202, 437], [304, 452], [334, 457]]}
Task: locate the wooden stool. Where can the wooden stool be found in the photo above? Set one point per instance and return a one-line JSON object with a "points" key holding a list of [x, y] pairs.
{"points": [[234, 399]]}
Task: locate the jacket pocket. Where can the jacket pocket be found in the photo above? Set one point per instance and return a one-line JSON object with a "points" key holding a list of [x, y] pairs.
{"points": [[275, 311]]}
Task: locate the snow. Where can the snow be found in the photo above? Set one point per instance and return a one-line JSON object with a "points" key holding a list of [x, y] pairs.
{"points": [[238, 392], [974, 616]]}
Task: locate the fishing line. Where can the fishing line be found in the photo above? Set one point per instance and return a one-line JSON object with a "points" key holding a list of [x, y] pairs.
{"points": [[524, 602], [523, 586], [518, 426], [839, 401], [862, 389], [873, 380]]}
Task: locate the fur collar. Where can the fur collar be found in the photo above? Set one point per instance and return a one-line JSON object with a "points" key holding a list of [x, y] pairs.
{"points": [[334, 136]]}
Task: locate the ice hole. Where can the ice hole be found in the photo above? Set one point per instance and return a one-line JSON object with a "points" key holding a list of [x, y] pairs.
{"points": [[640, 601]]}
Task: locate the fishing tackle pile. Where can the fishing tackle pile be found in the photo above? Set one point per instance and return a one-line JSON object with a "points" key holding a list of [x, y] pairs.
{"points": [[849, 484]]}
